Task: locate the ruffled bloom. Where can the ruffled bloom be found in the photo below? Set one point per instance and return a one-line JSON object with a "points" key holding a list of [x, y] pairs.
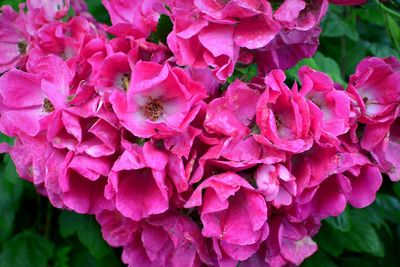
{"points": [[330, 107], [234, 215], [137, 183], [160, 103], [137, 18], [283, 115], [167, 240], [14, 39], [374, 85], [382, 141], [31, 99]]}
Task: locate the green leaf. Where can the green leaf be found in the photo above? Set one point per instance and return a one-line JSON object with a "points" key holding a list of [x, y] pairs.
{"points": [[396, 189], [164, 27], [7, 139], [97, 9], [26, 249], [321, 63], [335, 25], [380, 50], [83, 258], [88, 232], [69, 223], [371, 13], [90, 236], [11, 187], [62, 257], [358, 261], [328, 239], [341, 222], [362, 237], [330, 67], [242, 72], [317, 260], [13, 3], [393, 29], [388, 207]]}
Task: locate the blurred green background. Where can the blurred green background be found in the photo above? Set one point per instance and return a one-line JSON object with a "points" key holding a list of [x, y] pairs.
{"points": [[34, 234]]}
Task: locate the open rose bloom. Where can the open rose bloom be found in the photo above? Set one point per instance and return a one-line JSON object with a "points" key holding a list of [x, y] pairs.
{"points": [[179, 168]]}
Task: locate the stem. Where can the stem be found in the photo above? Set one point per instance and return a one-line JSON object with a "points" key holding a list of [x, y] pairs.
{"points": [[388, 10]]}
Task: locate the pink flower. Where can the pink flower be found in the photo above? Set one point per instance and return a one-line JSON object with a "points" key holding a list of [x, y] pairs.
{"points": [[31, 99], [116, 229], [67, 40], [233, 213], [13, 39], [195, 36], [365, 183], [232, 114], [374, 85], [276, 183], [113, 73], [287, 49], [137, 18], [166, 240], [297, 14], [206, 78], [82, 182], [331, 107], [382, 141], [137, 183], [161, 101], [30, 155], [289, 243], [283, 115], [193, 42], [231, 9], [326, 199], [231, 155], [41, 12], [256, 14], [85, 129]]}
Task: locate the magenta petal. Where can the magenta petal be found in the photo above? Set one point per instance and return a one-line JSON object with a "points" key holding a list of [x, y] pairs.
{"points": [[365, 186]]}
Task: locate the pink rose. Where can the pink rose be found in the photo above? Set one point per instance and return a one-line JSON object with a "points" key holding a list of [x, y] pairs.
{"points": [[289, 243], [161, 101], [232, 114], [331, 107], [233, 213], [82, 182], [166, 240], [382, 141], [287, 49], [14, 39], [276, 183], [300, 15], [283, 115], [137, 18], [374, 85], [137, 183], [31, 99]]}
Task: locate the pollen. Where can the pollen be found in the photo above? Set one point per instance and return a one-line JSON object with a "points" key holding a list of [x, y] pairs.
{"points": [[278, 121], [125, 82], [154, 109], [22, 47], [47, 106]]}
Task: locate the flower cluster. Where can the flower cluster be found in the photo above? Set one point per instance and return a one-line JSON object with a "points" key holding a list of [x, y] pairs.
{"points": [[178, 168]]}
